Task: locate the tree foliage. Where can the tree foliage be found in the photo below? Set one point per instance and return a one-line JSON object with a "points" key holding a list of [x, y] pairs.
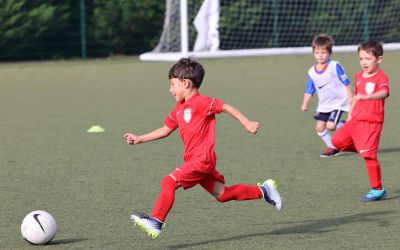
{"points": [[126, 26], [24, 24], [43, 29]]}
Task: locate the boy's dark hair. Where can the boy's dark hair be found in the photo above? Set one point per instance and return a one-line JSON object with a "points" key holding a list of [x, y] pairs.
{"points": [[372, 46], [324, 41], [187, 68]]}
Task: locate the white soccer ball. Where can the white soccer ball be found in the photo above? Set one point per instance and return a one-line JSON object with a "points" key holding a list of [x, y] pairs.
{"points": [[38, 227]]}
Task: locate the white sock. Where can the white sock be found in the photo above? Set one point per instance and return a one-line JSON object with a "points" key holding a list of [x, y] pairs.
{"points": [[326, 138]]}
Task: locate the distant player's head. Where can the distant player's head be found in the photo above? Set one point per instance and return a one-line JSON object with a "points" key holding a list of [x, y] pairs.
{"points": [[322, 48], [188, 69], [372, 46], [323, 41], [371, 55]]}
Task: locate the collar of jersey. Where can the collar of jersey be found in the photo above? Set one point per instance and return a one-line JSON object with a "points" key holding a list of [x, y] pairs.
{"points": [[323, 70]]}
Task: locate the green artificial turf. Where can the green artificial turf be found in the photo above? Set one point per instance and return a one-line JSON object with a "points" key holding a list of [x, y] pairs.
{"points": [[92, 182]]}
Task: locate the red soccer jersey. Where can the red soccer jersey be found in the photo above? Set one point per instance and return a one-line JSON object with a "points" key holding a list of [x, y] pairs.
{"points": [[370, 110], [196, 121]]}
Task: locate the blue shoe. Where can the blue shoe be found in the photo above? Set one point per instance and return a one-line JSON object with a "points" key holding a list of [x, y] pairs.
{"points": [[375, 195], [270, 193], [150, 225]]}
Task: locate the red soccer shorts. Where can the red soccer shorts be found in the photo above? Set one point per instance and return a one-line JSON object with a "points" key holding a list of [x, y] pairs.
{"points": [[364, 136], [196, 172]]}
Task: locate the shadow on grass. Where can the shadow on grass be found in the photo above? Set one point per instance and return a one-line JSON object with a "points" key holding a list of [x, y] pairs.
{"points": [[380, 151], [388, 150], [395, 196], [66, 241], [305, 227], [345, 154]]}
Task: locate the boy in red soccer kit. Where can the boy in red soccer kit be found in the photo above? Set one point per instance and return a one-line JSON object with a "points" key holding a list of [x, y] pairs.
{"points": [[362, 131], [194, 116]]}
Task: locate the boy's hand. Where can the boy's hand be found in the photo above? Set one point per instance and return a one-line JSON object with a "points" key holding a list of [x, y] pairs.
{"points": [[252, 127], [359, 97], [131, 139], [304, 107]]}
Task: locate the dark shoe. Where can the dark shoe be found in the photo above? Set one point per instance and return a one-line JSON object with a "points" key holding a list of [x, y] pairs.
{"points": [[330, 152]]}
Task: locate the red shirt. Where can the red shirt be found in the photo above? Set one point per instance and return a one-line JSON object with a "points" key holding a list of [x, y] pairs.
{"points": [[196, 121], [370, 110]]}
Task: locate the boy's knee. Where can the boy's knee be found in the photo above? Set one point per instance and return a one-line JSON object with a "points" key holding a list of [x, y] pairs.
{"points": [[218, 191], [336, 142], [320, 130], [320, 126], [221, 197], [331, 126]]}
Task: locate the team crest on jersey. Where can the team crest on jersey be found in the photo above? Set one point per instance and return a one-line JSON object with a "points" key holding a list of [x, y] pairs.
{"points": [[369, 88], [187, 115]]}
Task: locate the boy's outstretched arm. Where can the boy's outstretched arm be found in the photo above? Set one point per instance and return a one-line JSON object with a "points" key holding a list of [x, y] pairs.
{"points": [[250, 126], [154, 135]]}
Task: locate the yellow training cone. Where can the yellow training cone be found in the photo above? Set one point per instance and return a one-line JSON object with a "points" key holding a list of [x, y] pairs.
{"points": [[96, 129]]}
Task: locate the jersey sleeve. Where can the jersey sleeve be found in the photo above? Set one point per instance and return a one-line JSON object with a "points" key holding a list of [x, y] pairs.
{"points": [[215, 106], [310, 88], [342, 75], [384, 83], [170, 121]]}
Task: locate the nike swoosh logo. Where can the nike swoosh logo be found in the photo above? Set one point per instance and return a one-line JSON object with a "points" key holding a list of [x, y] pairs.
{"points": [[35, 216], [364, 150], [320, 87]]}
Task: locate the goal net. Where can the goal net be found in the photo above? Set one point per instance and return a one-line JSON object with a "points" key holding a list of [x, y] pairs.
{"points": [[228, 28]]}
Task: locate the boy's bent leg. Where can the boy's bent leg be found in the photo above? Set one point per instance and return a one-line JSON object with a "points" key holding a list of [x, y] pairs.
{"points": [[215, 185], [240, 192], [342, 139]]}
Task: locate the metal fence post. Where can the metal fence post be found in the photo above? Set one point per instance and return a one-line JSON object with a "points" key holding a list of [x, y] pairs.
{"points": [[83, 29]]}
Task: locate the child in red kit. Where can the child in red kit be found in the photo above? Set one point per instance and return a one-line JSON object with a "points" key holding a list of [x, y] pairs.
{"points": [[194, 116], [362, 131]]}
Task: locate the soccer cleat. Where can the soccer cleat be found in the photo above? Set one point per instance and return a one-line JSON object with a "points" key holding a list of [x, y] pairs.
{"points": [[330, 152], [270, 193], [374, 195], [150, 225]]}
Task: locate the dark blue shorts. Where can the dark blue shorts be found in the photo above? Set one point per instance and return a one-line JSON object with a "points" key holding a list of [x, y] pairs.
{"points": [[333, 116]]}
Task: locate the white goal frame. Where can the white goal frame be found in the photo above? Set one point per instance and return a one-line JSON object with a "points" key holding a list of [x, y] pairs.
{"points": [[184, 35]]}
